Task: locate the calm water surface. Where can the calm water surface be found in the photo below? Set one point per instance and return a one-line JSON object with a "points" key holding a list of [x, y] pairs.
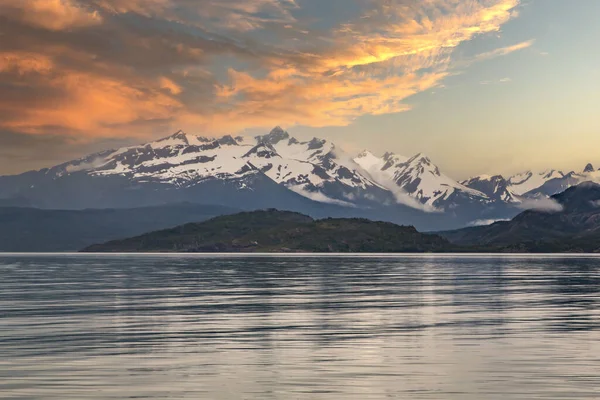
{"points": [[170, 327]]}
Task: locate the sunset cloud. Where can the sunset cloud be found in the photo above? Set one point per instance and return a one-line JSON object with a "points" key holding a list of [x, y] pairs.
{"points": [[115, 68], [54, 15], [504, 50]]}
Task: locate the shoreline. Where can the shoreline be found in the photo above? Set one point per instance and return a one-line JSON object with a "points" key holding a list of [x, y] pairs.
{"points": [[306, 255]]}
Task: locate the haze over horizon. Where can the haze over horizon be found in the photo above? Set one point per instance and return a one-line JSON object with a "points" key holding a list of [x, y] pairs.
{"points": [[480, 86]]}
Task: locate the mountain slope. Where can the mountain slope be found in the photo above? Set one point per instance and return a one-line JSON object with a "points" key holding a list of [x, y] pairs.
{"points": [[318, 170], [525, 182], [566, 230], [549, 183], [280, 231], [560, 184], [419, 178], [183, 167], [495, 188], [276, 170]]}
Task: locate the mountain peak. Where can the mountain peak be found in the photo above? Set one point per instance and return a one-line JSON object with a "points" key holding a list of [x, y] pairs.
{"points": [[316, 143], [419, 158], [262, 150], [276, 135], [369, 162], [227, 140], [485, 177], [552, 173], [588, 168], [495, 187], [179, 135]]}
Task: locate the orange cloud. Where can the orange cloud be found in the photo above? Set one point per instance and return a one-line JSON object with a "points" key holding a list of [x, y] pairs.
{"points": [[79, 102], [371, 68], [207, 65], [168, 84], [54, 15], [504, 50], [231, 14], [434, 28], [24, 63]]}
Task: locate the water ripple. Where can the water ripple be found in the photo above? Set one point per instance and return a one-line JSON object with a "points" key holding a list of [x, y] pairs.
{"points": [[418, 327]]}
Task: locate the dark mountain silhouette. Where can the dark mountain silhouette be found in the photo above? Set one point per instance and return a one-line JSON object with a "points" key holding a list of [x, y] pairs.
{"points": [[576, 227], [280, 231]]}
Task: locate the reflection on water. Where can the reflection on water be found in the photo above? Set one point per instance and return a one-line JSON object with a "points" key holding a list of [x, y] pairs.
{"points": [[116, 327]]}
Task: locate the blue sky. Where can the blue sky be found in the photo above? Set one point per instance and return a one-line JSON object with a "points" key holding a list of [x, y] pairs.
{"points": [[481, 86]]}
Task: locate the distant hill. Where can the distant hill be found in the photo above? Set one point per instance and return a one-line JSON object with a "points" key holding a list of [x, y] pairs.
{"points": [[575, 228], [35, 230], [280, 231]]}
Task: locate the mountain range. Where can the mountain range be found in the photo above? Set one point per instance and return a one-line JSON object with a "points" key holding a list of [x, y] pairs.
{"points": [[276, 170], [572, 226]]}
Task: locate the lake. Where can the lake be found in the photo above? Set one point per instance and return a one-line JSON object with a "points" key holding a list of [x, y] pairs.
{"points": [[281, 327]]}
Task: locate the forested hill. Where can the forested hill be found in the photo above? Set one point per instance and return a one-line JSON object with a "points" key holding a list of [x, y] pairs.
{"points": [[280, 231]]}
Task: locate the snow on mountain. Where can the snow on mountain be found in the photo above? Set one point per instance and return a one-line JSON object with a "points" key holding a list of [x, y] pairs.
{"points": [[380, 170], [562, 183], [548, 183], [495, 187], [319, 170], [369, 162], [419, 178], [315, 169], [180, 160], [423, 180], [528, 181]]}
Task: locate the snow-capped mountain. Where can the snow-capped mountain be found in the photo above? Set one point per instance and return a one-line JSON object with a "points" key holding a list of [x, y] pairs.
{"points": [[525, 182], [561, 183], [531, 184], [315, 169], [277, 170], [494, 187], [419, 178]]}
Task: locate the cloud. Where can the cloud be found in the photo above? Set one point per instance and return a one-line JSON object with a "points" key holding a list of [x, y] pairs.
{"points": [[234, 15], [123, 68], [319, 197], [54, 15], [496, 82], [86, 166], [78, 101], [485, 222], [22, 63], [545, 204], [400, 195], [504, 51], [381, 178]]}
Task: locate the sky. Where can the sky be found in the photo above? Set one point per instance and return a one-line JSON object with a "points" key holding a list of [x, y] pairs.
{"points": [[480, 86]]}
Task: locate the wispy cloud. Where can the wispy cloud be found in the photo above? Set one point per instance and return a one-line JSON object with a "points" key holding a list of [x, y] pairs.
{"points": [[504, 51], [106, 68], [544, 204], [496, 82], [486, 222], [53, 15]]}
